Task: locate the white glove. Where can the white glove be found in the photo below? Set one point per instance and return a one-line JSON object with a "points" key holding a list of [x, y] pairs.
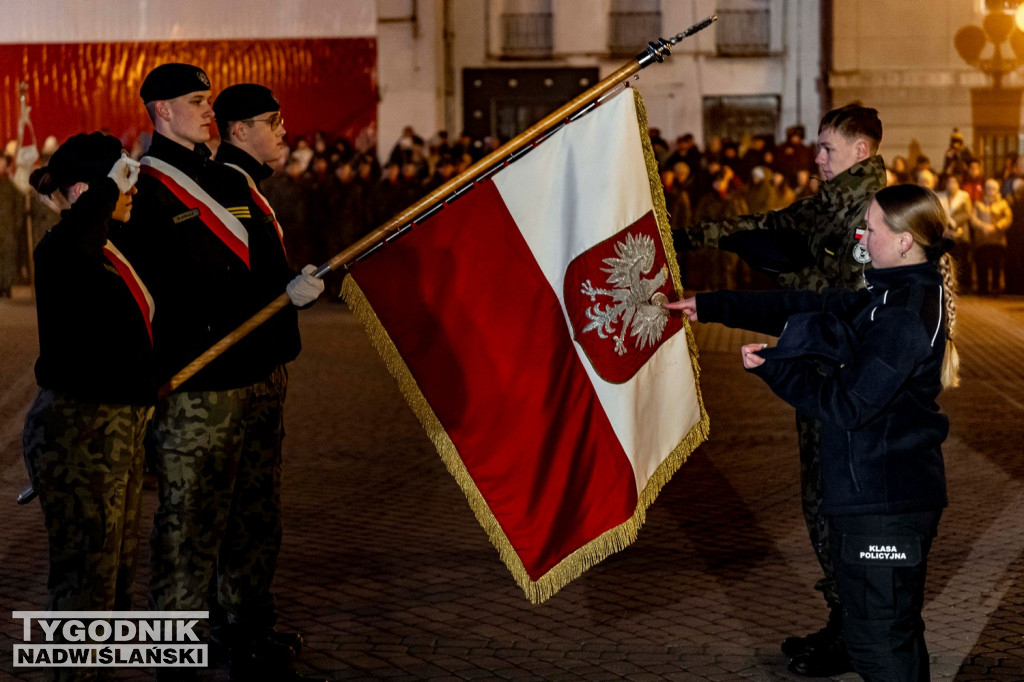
{"points": [[124, 173], [305, 288]]}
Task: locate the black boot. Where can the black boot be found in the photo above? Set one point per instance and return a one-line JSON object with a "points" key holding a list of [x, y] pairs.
{"points": [[262, 653], [252, 664], [823, 661], [823, 638], [292, 640]]}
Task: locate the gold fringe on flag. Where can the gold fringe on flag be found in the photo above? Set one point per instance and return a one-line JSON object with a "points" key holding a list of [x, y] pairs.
{"points": [[612, 540], [700, 431]]}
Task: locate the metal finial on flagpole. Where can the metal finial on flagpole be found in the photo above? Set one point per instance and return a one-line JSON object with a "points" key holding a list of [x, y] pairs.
{"points": [[657, 50]]}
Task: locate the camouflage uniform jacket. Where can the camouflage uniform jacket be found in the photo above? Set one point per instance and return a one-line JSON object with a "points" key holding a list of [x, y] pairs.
{"points": [[829, 220]]}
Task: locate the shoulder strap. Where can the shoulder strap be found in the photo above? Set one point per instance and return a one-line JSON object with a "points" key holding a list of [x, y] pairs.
{"points": [[226, 227], [135, 285], [262, 202]]}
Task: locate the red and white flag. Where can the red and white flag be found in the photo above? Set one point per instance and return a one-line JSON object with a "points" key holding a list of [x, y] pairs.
{"points": [[524, 326]]}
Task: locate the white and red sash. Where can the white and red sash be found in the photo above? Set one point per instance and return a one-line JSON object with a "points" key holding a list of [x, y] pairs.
{"points": [[218, 219], [139, 291], [262, 202]]}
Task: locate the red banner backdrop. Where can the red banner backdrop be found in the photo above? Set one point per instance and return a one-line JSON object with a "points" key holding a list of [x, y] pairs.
{"points": [[322, 84]]}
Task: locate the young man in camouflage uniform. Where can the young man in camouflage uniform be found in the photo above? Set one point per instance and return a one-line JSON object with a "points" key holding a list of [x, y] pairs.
{"points": [[195, 239], [812, 245], [252, 135]]}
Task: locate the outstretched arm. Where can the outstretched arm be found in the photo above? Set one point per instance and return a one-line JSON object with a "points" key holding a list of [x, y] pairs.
{"points": [[798, 216], [688, 306]]}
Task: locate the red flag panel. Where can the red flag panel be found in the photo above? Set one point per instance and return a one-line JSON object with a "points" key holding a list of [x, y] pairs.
{"points": [[517, 403]]}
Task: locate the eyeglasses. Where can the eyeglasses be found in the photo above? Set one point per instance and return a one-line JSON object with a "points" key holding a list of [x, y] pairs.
{"points": [[275, 120]]}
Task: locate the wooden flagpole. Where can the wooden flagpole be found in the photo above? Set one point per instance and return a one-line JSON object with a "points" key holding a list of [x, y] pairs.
{"points": [[655, 52]]}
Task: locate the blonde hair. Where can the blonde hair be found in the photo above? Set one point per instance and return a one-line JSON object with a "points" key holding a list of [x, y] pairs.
{"points": [[917, 211], [951, 358]]}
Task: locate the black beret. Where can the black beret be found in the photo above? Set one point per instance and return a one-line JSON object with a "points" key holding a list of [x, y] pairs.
{"points": [[83, 158], [244, 101], [817, 336], [770, 251], [168, 81]]}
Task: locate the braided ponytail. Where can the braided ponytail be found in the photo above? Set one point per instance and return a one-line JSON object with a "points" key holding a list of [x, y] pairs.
{"points": [[951, 359]]}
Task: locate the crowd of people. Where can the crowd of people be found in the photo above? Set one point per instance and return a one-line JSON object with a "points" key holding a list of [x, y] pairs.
{"points": [[328, 195], [728, 179], [326, 192]]}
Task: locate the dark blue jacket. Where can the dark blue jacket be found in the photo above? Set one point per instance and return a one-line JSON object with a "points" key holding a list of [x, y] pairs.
{"points": [[881, 430]]}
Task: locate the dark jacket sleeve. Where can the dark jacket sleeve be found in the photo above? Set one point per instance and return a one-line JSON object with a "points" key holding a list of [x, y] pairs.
{"points": [[764, 312], [852, 395]]}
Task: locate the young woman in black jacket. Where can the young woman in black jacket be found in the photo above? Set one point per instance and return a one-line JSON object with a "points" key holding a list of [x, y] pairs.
{"points": [[83, 434], [870, 364]]}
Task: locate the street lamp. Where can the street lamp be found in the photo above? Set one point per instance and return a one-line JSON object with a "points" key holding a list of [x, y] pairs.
{"points": [[995, 111], [996, 28]]}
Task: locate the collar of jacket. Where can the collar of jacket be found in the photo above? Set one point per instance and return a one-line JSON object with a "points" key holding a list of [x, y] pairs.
{"points": [[229, 153], [188, 161], [918, 288], [867, 173], [882, 279]]}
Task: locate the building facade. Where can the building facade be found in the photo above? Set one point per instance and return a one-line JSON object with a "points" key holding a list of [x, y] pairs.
{"points": [[900, 57], [494, 67]]}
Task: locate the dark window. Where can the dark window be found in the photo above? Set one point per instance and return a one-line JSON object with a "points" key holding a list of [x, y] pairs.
{"points": [[505, 102], [992, 148], [526, 36], [743, 32], [730, 118], [996, 117], [629, 31]]}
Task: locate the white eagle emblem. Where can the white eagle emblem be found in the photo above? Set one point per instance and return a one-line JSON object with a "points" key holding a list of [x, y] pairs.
{"points": [[635, 299]]}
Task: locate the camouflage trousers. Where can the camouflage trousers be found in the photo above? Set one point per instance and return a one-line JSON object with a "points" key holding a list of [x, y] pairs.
{"points": [[217, 459], [85, 461], [807, 429], [252, 541]]}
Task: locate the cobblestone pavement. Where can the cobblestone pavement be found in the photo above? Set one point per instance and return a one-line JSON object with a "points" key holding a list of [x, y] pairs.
{"points": [[389, 576]]}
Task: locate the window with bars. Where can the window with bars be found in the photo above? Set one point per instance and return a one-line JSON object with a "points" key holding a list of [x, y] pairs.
{"points": [[743, 32], [526, 35], [733, 117], [630, 29]]}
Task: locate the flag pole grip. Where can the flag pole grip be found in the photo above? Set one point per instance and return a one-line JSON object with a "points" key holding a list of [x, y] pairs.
{"points": [[218, 348], [655, 53]]}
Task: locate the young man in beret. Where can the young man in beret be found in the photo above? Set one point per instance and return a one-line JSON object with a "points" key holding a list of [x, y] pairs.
{"points": [[199, 242], [252, 135], [811, 245]]}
